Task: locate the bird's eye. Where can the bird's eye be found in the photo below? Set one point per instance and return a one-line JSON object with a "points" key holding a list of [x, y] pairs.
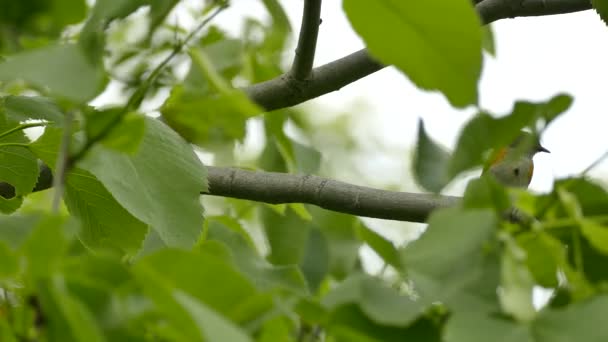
{"points": [[516, 171]]}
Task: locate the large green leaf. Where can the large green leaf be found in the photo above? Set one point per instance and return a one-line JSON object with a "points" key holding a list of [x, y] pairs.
{"points": [[430, 162], [208, 278], [437, 44], [71, 76], [475, 327], [70, 319], [263, 274], [160, 184], [584, 321], [452, 261], [105, 223], [382, 304], [211, 325]]}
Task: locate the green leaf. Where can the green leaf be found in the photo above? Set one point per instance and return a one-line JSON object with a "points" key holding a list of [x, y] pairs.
{"points": [[382, 246], [487, 40], [10, 263], [486, 192], [125, 137], [380, 303], [453, 260], [208, 278], [19, 165], [544, 254], [596, 234], [46, 245], [315, 260], [601, 8], [349, 323], [582, 321], [70, 320], [451, 242], [344, 245], [263, 274], [160, 184], [105, 223], [71, 77], [9, 206], [517, 284], [22, 108], [15, 229], [439, 42], [211, 326], [430, 162], [476, 327], [286, 234]]}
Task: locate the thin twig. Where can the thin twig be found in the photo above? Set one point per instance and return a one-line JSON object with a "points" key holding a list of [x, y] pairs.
{"points": [[136, 97], [62, 162], [307, 42]]}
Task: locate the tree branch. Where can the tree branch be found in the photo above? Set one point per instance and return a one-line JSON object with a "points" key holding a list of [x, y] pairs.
{"points": [[286, 90], [307, 42], [493, 10], [276, 188]]}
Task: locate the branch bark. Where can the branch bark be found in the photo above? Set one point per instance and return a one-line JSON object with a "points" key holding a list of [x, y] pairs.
{"points": [[493, 10], [286, 90], [275, 188], [307, 42]]}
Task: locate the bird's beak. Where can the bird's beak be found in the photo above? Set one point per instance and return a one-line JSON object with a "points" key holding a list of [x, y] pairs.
{"points": [[542, 149]]}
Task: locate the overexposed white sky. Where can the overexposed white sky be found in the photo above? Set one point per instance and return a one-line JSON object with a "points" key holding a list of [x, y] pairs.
{"points": [[537, 58]]}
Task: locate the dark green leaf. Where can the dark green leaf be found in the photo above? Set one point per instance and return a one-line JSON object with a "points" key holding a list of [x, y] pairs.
{"points": [[601, 8], [19, 165], [476, 327], [487, 40], [486, 192], [430, 162], [439, 42], [211, 280], [596, 234], [211, 119], [211, 325], [543, 256], [380, 303], [383, 247], [315, 261], [105, 223], [264, 275], [584, 321], [10, 263], [15, 229], [160, 184], [70, 320]]}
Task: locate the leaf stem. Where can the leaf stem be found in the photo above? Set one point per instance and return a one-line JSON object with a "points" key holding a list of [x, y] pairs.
{"points": [[21, 127]]}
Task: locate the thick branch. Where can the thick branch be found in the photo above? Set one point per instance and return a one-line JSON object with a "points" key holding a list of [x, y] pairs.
{"points": [[286, 90], [307, 42], [275, 188], [493, 10]]}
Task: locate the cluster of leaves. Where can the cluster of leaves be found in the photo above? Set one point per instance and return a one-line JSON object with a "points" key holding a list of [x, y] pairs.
{"points": [[130, 257]]}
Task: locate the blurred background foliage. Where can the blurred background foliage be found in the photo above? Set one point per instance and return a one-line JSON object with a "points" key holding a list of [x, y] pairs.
{"points": [[129, 258]]}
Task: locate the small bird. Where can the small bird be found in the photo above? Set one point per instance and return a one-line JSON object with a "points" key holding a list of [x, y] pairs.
{"points": [[513, 165]]}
